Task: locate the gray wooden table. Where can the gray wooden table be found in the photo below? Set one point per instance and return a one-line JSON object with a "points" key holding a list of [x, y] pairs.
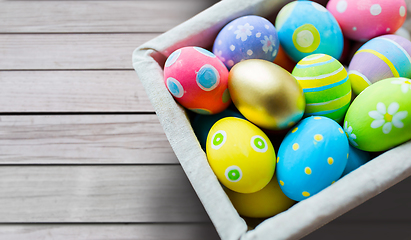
{"points": [[82, 153]]}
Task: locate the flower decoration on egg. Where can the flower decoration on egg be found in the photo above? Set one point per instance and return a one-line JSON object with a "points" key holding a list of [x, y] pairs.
{"points": [[350, 135], [405, 84], [387, 117], [243, 31], [268, 44]]}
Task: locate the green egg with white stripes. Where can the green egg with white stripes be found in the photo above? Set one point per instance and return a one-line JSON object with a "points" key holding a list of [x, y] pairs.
{"points": [[325, 84]]}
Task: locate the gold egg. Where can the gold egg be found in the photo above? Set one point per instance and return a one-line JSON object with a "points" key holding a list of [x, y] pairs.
{"points": [[266, 94]]}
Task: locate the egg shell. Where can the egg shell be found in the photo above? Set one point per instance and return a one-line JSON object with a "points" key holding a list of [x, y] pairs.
{"points": [[363, 20], [267, 202], [247, 37], [266, 94], [325, 84], [380, 117], [240, 154], [197, 79], [202, 123], [356, 158], [305, 28], [311, 157], [381, 57]]}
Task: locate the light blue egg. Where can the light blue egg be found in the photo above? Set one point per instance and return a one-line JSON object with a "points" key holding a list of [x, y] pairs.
{"points": [[305, 28], [311, 157], [356, 158]]}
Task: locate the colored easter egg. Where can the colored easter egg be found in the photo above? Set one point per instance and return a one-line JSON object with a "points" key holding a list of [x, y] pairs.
{"points": [[240, 154], [247, 37], [305, 28], [356, 158], [267, 202], [311, 157], [325, 84], [382, 57], [202, 124], [266, 94], [380, 117], [363, 20], [197, 79]]}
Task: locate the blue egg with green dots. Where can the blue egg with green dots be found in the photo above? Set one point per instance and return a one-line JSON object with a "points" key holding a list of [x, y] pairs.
{"points": [[202, 124], [305, 28], [312, 156]]}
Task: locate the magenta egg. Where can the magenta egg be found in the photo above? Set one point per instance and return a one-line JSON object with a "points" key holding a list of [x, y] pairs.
{"points": [[197, 79], [363, 20]]}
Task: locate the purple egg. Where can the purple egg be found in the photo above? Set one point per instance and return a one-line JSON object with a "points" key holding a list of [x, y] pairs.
{"points": [[248, 37], [380, 58]]}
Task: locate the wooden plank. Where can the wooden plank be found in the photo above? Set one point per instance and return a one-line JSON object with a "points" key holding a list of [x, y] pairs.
{"points": [[69, 51], [198, 231], [72, 91], [361, 231], [96, 16], [95, 194], [84, 139]]}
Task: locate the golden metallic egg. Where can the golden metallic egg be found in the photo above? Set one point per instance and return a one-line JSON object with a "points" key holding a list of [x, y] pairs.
{"points": [[266, 94]]}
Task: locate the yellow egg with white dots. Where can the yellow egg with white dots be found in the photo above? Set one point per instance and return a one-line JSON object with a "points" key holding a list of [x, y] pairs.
{"points": [[240, 154]]}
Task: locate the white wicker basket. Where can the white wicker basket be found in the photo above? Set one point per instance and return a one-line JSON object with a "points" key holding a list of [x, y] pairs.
{"points": [[304, 217]]}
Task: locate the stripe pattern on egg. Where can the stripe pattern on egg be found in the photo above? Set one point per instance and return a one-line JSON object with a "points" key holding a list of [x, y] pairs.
{"points": [[325, 84], [380, 58]]}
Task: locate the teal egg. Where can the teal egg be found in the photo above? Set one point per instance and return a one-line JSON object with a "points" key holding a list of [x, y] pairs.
{"points": [[305, 28], [356, 158]]}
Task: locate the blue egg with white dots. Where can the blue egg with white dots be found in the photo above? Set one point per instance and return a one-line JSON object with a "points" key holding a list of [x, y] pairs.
{"points": [[305, 28], [247, 37], [312, 156]]}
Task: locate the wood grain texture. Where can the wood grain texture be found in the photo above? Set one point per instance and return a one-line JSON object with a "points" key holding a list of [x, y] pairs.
{"points": [[95, 194], [84, 139], [69, 51], [198, 231], [72, 91], [96, 16]]}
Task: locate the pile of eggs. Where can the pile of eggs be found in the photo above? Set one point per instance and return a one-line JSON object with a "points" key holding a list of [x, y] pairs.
{"points": [[274, 136]]}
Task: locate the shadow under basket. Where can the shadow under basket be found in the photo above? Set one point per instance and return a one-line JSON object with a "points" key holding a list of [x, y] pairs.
{"points": [[304, 217]]}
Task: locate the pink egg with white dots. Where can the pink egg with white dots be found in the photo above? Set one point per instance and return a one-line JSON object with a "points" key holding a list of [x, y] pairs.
{"points": [[362, 20], [197, 79]]}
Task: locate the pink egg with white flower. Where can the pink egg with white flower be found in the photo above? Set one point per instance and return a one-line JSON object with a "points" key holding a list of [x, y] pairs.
{"points": [[197, 79], [363, 20]]}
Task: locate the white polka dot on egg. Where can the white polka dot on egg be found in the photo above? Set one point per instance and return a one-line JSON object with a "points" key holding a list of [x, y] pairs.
{"points": [[341, 6], [402, 11], [232, 47], [250, 52], [375, 9]]}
